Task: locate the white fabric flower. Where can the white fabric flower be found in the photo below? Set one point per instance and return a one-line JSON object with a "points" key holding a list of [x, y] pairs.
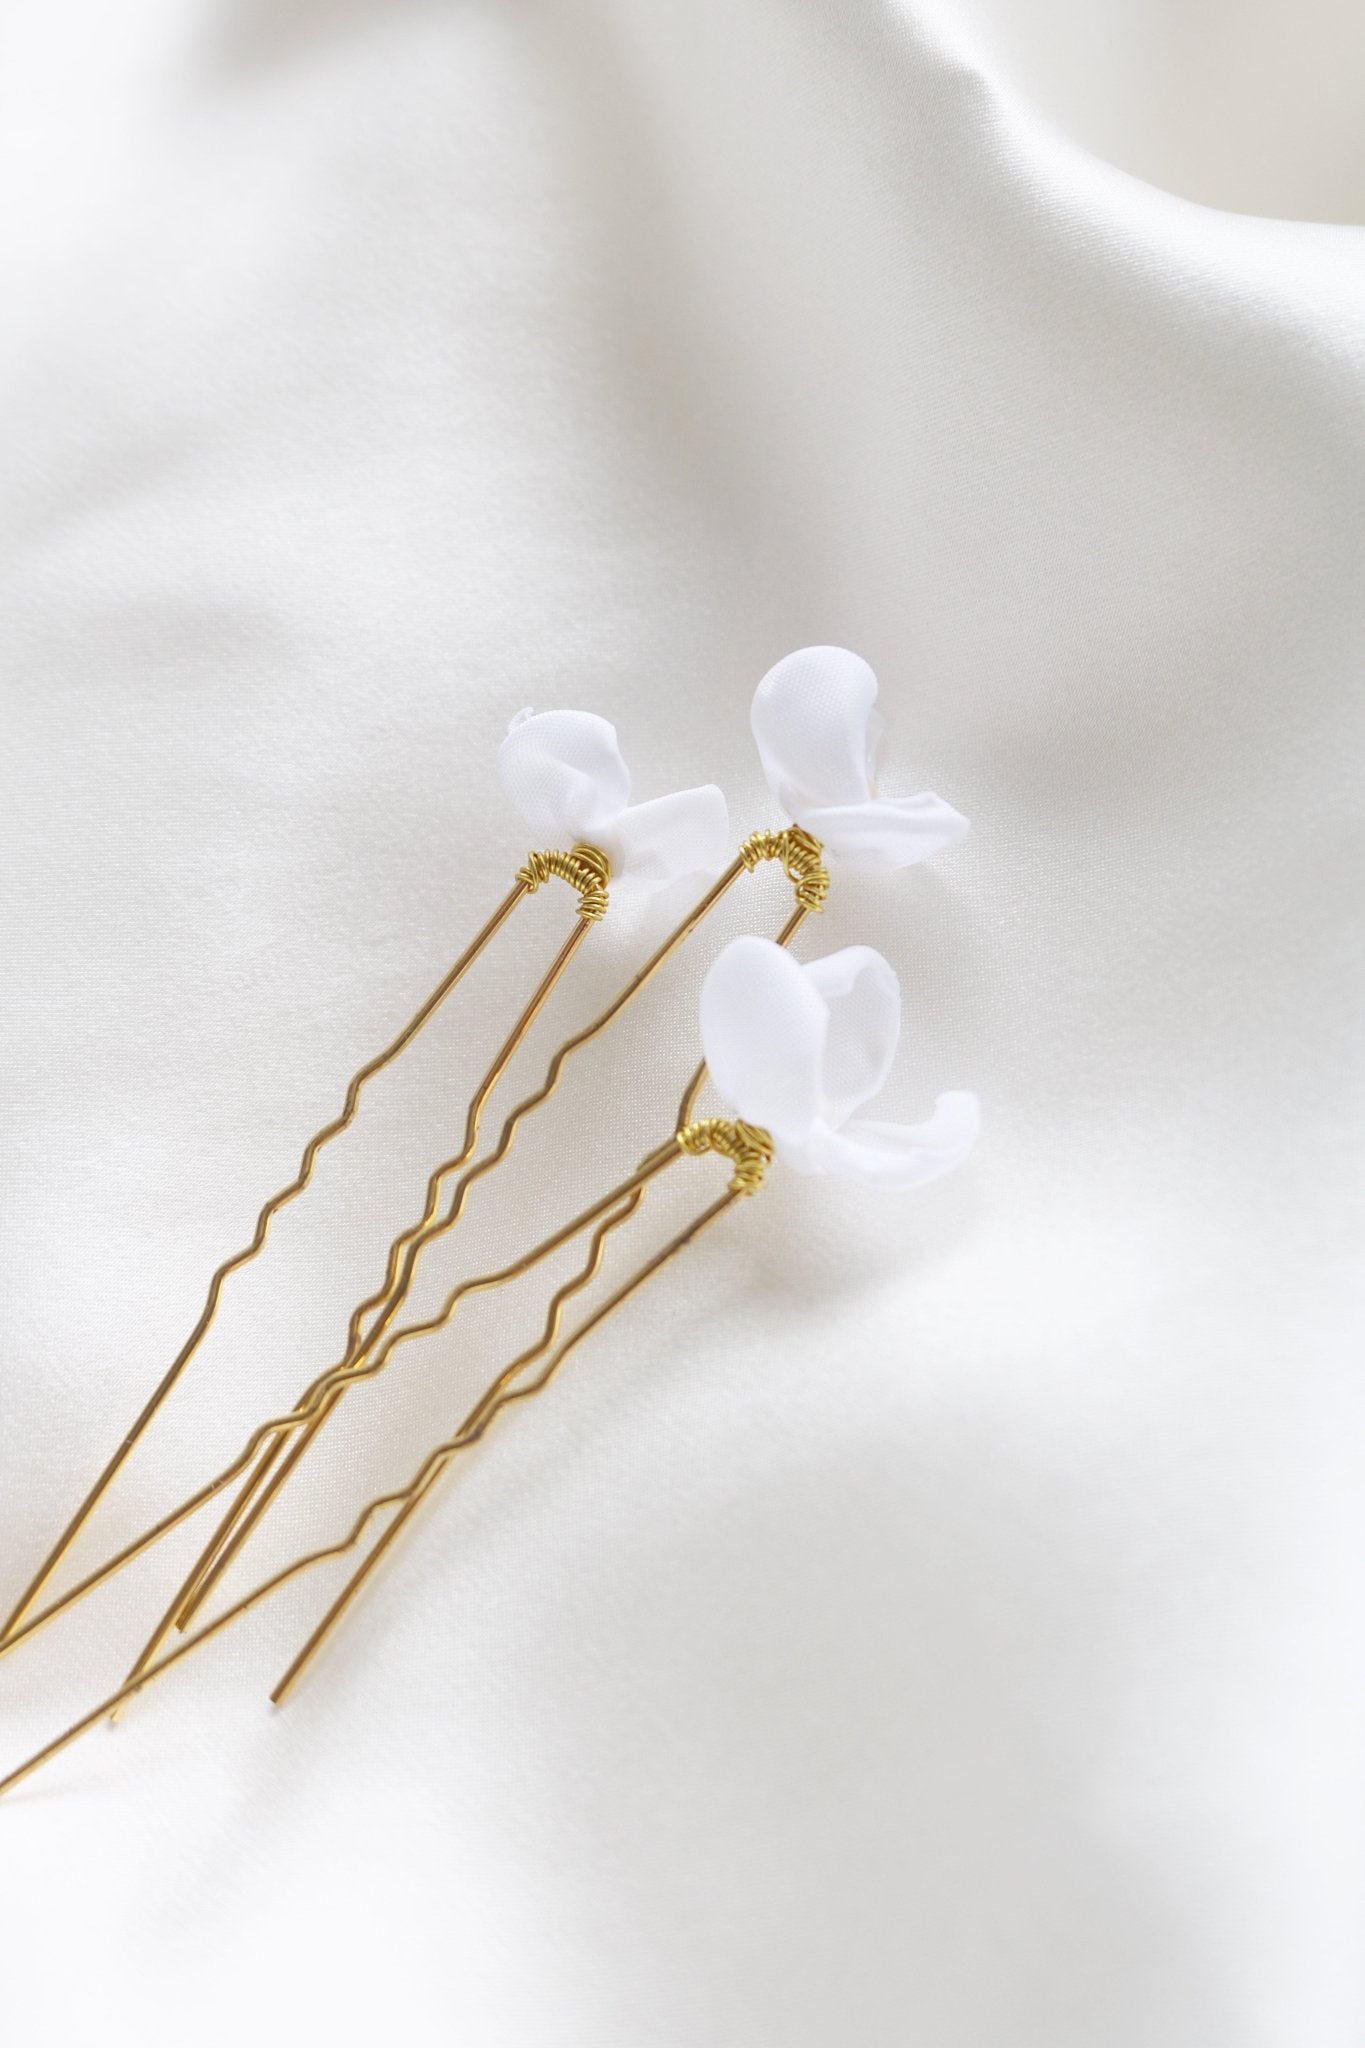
{"points": [[563, 771], [799, 1048], [817, 729]]}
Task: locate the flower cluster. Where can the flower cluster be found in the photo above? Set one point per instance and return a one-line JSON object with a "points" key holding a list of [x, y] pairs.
{"points": [[797, 1049]]}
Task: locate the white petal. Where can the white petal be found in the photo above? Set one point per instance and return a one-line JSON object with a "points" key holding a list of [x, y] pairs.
{"points": [[763, 1030], [863, 997], [564, 772], [655, 843], [895, 1157], [886, 832], [812, 718]]}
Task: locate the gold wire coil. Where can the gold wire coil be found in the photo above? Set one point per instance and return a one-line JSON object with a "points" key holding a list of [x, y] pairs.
{"points": [[586, 869], [750, 1148], [802, 858]]}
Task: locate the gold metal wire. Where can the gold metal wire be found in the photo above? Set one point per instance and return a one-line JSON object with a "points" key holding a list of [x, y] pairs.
{"points": [[326, 1391], [111, 1706], [269, 1210], [340, 1376], [585, 868], [252, 1502], [749, 1148], [800, 858], [474, 1426], [490, 1404], [654, 1163], [793, 846], [197, 1500]]}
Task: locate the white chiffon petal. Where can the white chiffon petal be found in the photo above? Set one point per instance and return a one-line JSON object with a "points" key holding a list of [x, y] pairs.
{"points": [[655, 843], [876, 727], [811, 718], [895, 1157], [886, 832], [563, 771], [863, 997], [763, 1032]]}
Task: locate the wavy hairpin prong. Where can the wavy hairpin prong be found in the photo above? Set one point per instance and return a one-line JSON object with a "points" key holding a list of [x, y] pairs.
{"points": [[795, 1051], [269, 1210], [544, 767], [800, 856], [500, 1395], [585, 869], [200, 1574], [680, 834], [345, 1374], [610, 1211], [619, 1205], [804, 1047]]}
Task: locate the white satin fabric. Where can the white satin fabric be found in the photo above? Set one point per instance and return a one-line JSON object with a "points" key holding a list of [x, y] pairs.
{"points": [[912, 1620]]}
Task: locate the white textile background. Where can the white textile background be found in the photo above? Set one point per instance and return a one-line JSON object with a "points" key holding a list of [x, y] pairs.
{"points": [[913, 1622]]}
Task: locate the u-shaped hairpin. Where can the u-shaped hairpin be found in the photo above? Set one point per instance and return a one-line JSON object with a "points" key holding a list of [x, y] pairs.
{"points": [[769, 1027]]}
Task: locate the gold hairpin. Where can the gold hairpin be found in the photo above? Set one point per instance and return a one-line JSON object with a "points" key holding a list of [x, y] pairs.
{"points": [[799, 855], [585, 869], [814, 722]]}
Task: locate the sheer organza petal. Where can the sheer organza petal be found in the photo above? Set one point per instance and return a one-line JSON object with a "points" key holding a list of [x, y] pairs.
{"points": [[886, 832], [563, 771], [812, 719], [863, 997], [895, 1157], [763, 1031], [655, 843]]}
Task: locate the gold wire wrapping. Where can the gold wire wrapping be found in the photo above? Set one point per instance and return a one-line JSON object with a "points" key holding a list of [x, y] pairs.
{"points": [[749, 1147], [803, 862], [585, 868]]}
